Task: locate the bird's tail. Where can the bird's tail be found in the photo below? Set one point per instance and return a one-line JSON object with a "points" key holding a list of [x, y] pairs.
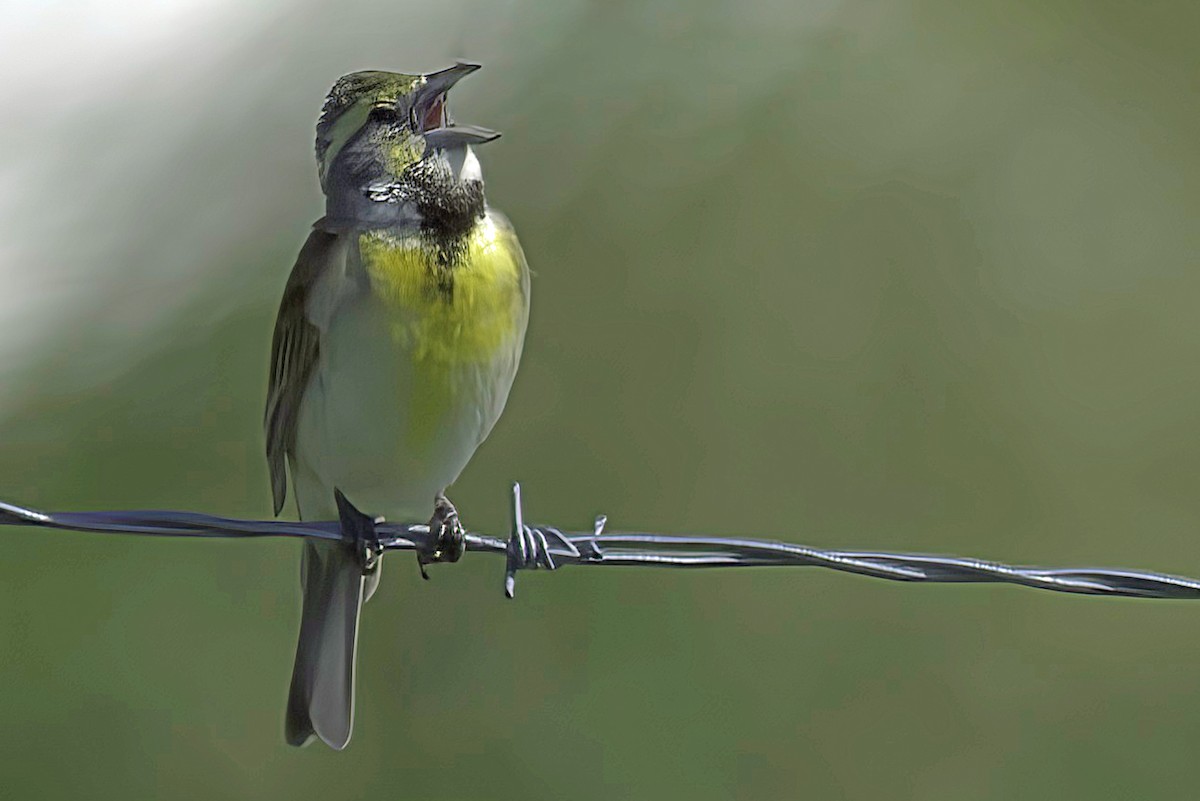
{"points": [[321, 699]]}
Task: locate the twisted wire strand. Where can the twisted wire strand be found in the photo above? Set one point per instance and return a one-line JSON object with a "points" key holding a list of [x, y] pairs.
{"points": [[549, 548]]}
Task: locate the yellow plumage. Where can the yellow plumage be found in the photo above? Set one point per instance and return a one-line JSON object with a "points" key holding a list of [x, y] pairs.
{"points": [[448, 315], [443, 319]]}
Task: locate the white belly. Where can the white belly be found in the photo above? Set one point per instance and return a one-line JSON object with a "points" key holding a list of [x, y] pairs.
{"points": [[388, 433]]}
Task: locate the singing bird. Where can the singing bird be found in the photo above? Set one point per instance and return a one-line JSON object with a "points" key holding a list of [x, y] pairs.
{"points": [[395, 347]]}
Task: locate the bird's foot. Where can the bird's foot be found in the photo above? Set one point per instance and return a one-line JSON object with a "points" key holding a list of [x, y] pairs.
{"points": [[359, 530], [447, 533]]}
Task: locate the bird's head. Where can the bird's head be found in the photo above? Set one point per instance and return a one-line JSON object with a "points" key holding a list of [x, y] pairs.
{"points": [[386, 138]]}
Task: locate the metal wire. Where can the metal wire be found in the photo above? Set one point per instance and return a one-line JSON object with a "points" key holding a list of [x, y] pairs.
{"points": [[545, 547]]}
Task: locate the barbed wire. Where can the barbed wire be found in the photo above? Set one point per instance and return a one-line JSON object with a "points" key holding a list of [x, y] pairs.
{"points": [[546, 547]]}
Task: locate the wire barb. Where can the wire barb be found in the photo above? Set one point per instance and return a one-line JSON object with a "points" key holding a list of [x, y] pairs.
{"points": [[533, 547]]}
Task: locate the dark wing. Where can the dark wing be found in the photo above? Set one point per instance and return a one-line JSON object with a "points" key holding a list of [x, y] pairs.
{"points": [[294, 350]]}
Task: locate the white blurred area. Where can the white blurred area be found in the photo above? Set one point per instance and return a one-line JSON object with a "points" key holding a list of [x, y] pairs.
{"points": [[83, 147]]}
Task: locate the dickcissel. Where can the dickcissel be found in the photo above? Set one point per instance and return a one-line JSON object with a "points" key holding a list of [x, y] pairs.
{"points": [[396, 344]]}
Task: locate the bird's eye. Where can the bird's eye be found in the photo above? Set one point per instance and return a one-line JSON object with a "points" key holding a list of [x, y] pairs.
{"points": [[383, 114]]}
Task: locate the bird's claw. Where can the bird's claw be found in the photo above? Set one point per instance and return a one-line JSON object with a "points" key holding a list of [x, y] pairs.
{"points": [[447, 535]]}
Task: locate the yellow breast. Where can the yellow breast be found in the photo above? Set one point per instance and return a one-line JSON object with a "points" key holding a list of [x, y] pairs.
{"points": [[459, 313]]}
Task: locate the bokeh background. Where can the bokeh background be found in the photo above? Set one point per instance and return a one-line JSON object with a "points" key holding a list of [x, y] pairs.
{"points": [[914, 275]]}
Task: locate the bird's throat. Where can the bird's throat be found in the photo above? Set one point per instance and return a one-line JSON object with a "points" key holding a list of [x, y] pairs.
{"points": [[449, 209]]}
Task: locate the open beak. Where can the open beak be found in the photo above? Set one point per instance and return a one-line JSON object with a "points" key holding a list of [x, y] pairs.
{"points": [[430, 113]]}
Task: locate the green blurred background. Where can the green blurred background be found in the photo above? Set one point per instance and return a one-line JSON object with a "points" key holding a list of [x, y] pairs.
{"points": [[915, 275]]}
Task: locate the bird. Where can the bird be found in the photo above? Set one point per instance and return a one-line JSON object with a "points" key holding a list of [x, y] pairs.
{"points": [[395, 346]]}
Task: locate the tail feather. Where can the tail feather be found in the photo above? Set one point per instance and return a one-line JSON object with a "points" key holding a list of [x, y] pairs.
{"points": [[321, 699]]}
